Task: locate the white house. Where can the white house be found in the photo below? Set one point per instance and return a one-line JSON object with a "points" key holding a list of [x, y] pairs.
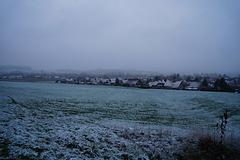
{"points": [[193, 86], [173, 85], [156, 84]]}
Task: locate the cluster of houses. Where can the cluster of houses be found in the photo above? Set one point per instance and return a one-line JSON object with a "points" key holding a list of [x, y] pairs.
{"points": [[175, 81], [30, 77], [140, 83]]}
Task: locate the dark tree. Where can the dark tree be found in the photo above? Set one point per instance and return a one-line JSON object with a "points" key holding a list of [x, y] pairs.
{"points": [[176, 77], [221, 85], [197, 79], [156, 78], [117, 83], [188, 78], [149, 80], [204, 83]]}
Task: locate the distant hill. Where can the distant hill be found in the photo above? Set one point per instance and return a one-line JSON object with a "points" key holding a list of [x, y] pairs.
{"points": [[105, 71], [13, 68], [109, 72]]}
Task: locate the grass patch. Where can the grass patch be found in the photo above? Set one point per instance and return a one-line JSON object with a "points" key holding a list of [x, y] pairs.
{"points": [[206, 146], [210, 146], [4, 150]]}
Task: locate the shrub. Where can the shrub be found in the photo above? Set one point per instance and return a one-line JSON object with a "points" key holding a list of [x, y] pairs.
{"points": [[211, 146]]}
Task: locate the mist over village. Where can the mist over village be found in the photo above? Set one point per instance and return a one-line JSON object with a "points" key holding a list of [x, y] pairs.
{"points": [[120, 79]]}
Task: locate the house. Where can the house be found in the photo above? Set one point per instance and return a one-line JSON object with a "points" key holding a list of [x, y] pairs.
{"points": [[104, 81], [93, 81], [134, 82], [19, 77], [173, 84], [123, 82], [168, 84], [156, 84], [38, 76], [69, 80], [112, 81], [14, 77], [231, 82], [193, 86], [177, 85]]}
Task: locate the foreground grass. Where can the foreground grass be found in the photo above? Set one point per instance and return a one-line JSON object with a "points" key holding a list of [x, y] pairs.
{"points": [[208, 146], [131, 144], [46, 129]]}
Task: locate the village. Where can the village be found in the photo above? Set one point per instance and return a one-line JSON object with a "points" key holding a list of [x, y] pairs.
{"points": [[215, 82], [197, 84]]}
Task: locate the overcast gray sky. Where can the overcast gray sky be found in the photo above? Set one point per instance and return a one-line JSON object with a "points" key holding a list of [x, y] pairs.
{"points": [[153, 35]]}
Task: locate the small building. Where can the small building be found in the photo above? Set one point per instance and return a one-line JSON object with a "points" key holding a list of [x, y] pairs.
{"points": [[173, 84], [134, 82], [38, 76], [193, 86], [104, 81], [123, 82], [70, 80], [112, 81], [177, 85], [168, 84], [156, 84]]}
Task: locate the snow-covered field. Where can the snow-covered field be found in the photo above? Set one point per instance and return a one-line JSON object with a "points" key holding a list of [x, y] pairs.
{"points": [[61, 121]]}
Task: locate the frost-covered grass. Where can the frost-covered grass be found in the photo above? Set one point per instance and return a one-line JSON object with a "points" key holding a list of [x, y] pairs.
{"points": [[56, 121], [32, 132]]}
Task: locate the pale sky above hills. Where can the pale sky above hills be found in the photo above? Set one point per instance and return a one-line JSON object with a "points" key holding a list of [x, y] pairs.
{"points": [[154, 35]]}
